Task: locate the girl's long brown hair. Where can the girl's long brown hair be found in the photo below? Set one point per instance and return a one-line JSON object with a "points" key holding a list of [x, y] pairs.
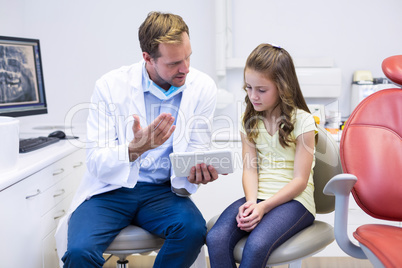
{"points": [[275, 64]]}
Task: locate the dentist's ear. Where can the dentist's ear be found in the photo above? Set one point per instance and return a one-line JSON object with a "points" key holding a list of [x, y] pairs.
{"points": [[136, 124], [147, 58]]}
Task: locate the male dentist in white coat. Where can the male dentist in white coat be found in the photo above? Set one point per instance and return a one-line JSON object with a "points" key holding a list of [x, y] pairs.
{"points": [[139, 115]]}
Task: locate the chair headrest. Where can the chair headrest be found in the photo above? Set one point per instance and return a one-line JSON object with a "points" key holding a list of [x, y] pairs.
{"points": [[392, 68]]}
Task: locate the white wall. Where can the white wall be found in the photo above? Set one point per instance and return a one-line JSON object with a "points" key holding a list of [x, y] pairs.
{"points": [[81, 40], [357, 34]]}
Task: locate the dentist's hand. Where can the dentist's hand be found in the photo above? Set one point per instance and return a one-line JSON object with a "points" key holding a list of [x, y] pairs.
{"points": [[151, 136], [201, 173]]}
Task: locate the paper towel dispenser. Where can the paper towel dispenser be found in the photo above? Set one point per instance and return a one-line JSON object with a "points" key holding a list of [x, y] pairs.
{"points": [[320, 82]]}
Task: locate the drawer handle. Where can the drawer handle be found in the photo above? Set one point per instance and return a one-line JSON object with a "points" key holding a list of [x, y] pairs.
{"points": [[58, 172], [33, 195], [61, 214], [76, 165], [61, 192]]}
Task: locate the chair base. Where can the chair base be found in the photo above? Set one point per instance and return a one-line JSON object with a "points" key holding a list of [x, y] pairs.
{"points": [[122, 264], [133, 240]]}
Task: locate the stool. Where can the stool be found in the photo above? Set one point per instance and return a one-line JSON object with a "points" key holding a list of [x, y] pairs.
{"points": [[132, 240]]}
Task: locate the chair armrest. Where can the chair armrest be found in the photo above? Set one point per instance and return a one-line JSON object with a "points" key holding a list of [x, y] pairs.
{"points": [[340, 187]]}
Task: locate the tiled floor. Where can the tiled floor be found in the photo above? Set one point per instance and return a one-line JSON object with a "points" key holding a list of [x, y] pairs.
{"points": [[138, 261]]}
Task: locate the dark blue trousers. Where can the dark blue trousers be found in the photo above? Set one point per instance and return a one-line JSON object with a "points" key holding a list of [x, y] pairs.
{"points": [[97, 221]]}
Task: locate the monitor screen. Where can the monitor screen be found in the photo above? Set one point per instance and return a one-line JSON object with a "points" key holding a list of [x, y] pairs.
{"points": [[22, 90]]}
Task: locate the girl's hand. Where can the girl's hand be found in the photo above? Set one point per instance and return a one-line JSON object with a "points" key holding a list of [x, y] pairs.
{"points": [[241, 213], [245, 210], [250, 214]]}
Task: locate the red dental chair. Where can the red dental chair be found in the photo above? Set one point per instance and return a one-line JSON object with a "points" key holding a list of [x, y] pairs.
{"points": [[371, 155]]}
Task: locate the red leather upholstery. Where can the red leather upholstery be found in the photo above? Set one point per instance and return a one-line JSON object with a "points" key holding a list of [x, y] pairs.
{"points": [[371, 149], [392, 68], [384, 241]]}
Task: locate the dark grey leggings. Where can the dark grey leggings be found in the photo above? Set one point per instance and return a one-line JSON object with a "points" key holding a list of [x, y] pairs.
{"points": [[275, 228]]}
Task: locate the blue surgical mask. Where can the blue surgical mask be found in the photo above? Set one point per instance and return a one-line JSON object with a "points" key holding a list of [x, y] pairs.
{"points": [[162, 94]]}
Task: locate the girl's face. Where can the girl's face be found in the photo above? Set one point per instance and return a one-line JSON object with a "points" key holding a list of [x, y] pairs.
{"points": [[261, 91]]}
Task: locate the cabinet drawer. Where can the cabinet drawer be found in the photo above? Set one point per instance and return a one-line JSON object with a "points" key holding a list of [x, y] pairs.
{"points": [[53, 184], [52, 174], [63, 168], [53, 196], [49, 251], [50, 220]]}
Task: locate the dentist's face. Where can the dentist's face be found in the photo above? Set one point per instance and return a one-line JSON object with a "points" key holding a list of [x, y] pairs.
{"points": [[172, 67]]}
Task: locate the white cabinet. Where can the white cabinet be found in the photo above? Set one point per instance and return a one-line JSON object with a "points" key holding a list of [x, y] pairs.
{"points": [[30, 210]]}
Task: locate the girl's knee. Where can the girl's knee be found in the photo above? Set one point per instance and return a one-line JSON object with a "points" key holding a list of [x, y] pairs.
{"points": [[213, 237]]}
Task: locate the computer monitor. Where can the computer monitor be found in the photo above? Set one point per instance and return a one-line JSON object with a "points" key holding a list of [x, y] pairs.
{"points": [[22, 89]]}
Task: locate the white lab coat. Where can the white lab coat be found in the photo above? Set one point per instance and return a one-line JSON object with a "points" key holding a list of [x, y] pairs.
{"points": [[117, 96]]}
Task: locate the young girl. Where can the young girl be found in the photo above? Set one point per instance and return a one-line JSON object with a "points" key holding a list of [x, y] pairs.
{"points": [[278, 139]]}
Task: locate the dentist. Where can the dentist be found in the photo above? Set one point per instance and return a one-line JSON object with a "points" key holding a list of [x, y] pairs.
{"points": [[139, 115]]}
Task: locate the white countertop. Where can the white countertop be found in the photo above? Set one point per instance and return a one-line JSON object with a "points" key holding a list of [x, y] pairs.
{"points": [[32, 162]]}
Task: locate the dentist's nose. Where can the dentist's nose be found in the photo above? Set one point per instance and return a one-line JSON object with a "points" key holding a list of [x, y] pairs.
{"points": [[185, 67]]}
